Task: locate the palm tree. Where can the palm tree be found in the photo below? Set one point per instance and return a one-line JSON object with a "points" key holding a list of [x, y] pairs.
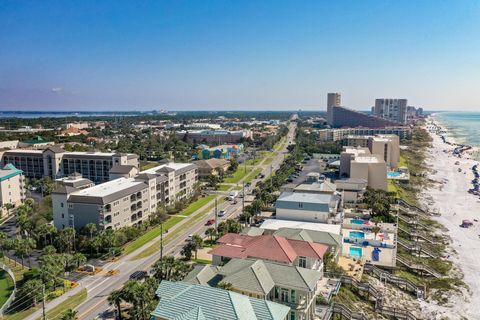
{"points": [[69, 314], [376, 229], [211, 232], [197, 242], [91, 229], [79, 258], [116, 298], [3, 238]]}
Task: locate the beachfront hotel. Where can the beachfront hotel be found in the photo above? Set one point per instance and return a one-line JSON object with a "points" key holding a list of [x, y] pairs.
{"points": [[341, 134], [360, 163], [391, 109], [54, 162], [386, 145], [124, 201]]}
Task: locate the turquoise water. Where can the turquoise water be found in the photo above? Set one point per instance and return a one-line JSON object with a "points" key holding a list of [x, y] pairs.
{"points": [[463, 127], [357, 234], [355, 252], [393, 174], [357, 221]]}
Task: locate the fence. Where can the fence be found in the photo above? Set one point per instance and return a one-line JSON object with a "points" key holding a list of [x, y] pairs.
{"points": [[12, 296]]}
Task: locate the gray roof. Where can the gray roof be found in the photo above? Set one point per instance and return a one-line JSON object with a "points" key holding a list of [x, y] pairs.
{"points": [[321, 237], [63, 189], [261, 276], [75, 198], [55, 149], [186, 169], [205, 274], [252, 231], [122, 169], [304, 201]]}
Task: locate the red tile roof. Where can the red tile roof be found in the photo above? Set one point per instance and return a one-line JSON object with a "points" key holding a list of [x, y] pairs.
{"points": [[268, 247]]}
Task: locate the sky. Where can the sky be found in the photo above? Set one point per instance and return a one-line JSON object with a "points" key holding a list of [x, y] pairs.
{"points": [[237, 55]]}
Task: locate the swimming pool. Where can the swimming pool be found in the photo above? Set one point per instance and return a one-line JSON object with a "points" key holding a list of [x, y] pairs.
{"points": [[357, 221], [393, 174], [355, 252], [357, 234]]}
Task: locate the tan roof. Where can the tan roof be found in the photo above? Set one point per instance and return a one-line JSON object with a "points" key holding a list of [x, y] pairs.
{"points": [[211, 163]]}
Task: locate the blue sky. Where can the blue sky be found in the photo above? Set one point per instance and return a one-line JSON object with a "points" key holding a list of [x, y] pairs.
{"points": [[231, 55]]}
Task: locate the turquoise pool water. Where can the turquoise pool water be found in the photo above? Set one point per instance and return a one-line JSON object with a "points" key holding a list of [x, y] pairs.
{"points": [[355, 252], [393, 174], [357, 221], [357, 234]]}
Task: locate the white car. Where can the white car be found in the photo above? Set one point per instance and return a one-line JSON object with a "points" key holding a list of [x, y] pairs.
{"points": [[221, 213]]}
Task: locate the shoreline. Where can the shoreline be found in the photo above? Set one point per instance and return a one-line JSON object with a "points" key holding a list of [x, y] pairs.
{"points": [[452, 175]]}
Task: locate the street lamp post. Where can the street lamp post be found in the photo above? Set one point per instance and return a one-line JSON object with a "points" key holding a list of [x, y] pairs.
{"points": [[72, 217]]}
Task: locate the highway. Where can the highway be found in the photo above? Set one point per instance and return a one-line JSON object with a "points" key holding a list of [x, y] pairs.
{"points": [[99, 286]]}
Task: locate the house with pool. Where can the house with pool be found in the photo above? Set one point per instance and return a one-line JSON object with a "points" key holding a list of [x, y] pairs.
{"points": [[361, 242]]}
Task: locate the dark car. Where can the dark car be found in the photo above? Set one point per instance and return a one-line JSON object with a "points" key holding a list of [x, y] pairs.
{"points": [[210, 222], [138, 275]]}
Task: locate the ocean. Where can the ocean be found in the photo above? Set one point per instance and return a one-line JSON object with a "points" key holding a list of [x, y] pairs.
{"points": [[63, 114], [463, 127]]}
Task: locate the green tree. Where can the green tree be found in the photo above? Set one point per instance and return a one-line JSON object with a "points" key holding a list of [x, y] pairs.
{"points": [[115, 299], [211, 232], [69, 314], [197, 242], [30, 293], [65, 240], [79, 259], [225, 285], [188, 249]]}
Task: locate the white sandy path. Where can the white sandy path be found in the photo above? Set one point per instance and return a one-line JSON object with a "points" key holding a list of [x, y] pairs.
{"points": [[455, 204]]}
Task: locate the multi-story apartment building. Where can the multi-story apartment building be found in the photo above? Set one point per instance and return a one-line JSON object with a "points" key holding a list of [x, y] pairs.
{"points": [[360, 163], [214, 136], [12, 187], [54, 162], [126, 200], [333, 100], [391, 109], [388, 146], [342, 134], [338, 117]]}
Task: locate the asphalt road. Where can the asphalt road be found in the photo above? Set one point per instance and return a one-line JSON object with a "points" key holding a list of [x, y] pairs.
{"points": [[99, 287]]}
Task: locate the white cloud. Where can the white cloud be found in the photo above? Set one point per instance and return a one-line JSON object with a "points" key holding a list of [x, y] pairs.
{"points": [[56, 89]]}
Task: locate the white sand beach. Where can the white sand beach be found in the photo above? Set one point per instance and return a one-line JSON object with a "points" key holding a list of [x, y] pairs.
{"points": [[450, 198]]}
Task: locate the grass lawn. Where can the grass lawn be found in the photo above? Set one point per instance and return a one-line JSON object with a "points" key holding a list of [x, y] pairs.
{"points": [[237, 175], [392, 187], [20, 315], [145, 165], [252, 175], [223, 187], [71, 303], [194, 206], [202, 261], [268, 161], [6, 286], [17, 269], [402, 162], [150, 235], [254, 161], [155, 232]]}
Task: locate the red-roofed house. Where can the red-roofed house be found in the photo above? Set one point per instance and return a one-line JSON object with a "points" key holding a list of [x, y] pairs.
{"points": [[305, 254]]}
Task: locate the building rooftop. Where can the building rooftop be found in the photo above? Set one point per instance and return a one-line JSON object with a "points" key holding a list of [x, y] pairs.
{"points": [[276, 224], [185, 301], [368, 159], [305, 197], [108, 191], [268, 247], [9, 171]]}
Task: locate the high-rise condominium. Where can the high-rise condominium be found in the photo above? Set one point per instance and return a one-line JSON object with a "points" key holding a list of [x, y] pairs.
{"points": [[391, 109]]}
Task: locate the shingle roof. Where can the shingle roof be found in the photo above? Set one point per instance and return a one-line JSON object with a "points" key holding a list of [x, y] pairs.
{"points": [[212, 163], [121, 169], [268, 247], [203, 274], [180, 300], [322, 237]]}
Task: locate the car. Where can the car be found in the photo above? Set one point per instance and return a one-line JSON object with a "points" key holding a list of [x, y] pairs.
{"points": [[221, 213], [248, 184], [138, 275], [189, 237], [210, 222], [289, 180]]}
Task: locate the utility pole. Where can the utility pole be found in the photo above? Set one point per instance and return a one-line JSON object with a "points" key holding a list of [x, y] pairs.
{"points": [[243, 201], [161, 241], [216, 215], [271, 180], [44, 315]]}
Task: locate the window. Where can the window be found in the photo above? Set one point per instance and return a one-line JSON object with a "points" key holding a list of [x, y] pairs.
{"points": [[300, 205], [284, 295], [302, 262], [292, 315], [70, 206], [293, 296], [63, 216], [61, 204]]}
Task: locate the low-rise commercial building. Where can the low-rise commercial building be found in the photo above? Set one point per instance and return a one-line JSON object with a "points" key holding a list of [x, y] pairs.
{"points": [[124, 201], [12, 188], [225, 151], [54, 162]]}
